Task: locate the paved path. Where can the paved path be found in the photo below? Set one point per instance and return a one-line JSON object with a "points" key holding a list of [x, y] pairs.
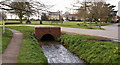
{"points": [[11, 52], [111, 31]]}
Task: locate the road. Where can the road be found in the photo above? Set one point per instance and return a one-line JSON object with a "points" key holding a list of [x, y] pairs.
{"points": [[111, 31]]}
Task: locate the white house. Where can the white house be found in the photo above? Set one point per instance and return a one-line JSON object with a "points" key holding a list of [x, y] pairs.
{"points": [[54, 15]]}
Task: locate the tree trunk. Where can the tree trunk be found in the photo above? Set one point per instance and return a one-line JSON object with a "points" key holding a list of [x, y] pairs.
{"points": [[90, 24], [20, 16], [21, 20], [84, 22], [100, 24]]}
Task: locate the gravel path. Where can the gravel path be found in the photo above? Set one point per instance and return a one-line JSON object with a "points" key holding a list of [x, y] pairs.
{"points": [[11, 52]]}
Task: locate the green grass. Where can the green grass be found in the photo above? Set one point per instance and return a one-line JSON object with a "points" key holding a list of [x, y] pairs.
{"points": [[72, 24], [30, 51], [91, 49], [0, 40], [6, 38], [103, 24]]}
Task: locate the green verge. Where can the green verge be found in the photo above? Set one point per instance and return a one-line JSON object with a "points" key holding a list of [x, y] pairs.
{"points": [[30, 51], [6, 38], [91, 49], [72, 24]]}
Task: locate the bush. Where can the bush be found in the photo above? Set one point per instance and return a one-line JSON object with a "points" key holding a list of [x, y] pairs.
{"points": [[78, 24]]}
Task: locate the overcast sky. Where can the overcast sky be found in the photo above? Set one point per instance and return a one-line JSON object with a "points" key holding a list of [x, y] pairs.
{"points": [[63, 5]]}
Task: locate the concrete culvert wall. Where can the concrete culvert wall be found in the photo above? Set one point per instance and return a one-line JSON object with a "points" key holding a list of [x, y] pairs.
{"points": [[47, 37]]}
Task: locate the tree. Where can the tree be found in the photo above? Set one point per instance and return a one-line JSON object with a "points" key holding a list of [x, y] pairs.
{"points": [[83, 10], [29, 10], [100, 10], [44, 17], [20, 12], [18, 8], [22, 8], [66, 15]]}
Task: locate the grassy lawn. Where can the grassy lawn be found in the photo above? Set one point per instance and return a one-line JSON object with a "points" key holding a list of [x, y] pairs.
{"points": [[6, 38], [30, 51], [72, 24], [91, 49], [103, 24]]}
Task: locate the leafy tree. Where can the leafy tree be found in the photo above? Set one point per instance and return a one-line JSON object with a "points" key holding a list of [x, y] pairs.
{"points": [[44, 17]]}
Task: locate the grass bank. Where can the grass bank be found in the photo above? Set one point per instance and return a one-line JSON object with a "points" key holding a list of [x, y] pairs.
{"points": [[6, 38], [91, 49], [30, 51]]}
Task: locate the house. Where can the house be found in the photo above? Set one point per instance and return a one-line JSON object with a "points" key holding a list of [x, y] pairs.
{"points": [[116, 19], [54, 16], [74, 17]]}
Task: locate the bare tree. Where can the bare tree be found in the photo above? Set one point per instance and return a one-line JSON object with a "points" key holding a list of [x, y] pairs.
{"points": [[83, 9], [23, 8], [100, 10], [66, 15]]}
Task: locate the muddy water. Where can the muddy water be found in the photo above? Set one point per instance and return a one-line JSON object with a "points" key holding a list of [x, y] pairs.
{"points": [[57, 53]]}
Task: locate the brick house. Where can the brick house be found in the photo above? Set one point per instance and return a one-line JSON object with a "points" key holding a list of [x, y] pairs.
{"points": [[73, 17]]}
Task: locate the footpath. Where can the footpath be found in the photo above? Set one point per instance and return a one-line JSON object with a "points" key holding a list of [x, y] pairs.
{"points": [[12, 51]]}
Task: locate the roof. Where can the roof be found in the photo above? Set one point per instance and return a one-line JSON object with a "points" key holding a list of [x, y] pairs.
{"points": [[54, 13], [73, 14]]}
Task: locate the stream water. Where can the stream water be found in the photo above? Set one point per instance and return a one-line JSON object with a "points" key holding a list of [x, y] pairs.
{"points": [[57, 53]]}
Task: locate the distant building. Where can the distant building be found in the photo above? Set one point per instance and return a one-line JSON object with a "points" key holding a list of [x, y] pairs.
{"points": [[54, 16], [74, 17], [115, 18]]}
